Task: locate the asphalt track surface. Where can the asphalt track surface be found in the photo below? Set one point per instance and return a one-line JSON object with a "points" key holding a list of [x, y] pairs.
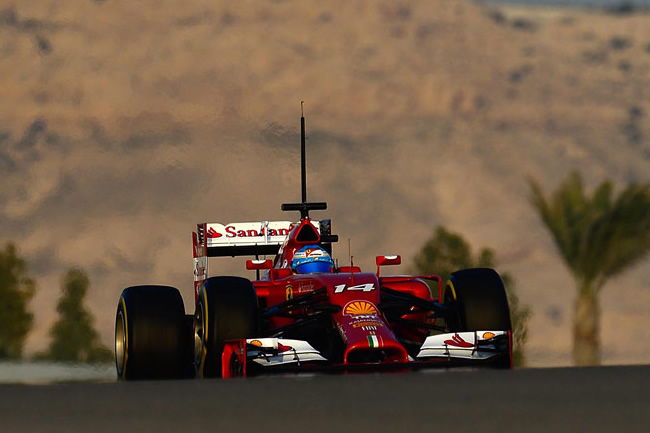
{"points": [[584, 400]]}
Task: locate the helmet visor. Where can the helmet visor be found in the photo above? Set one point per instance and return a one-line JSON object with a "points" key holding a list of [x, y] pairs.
{"points": [[314, 267]]}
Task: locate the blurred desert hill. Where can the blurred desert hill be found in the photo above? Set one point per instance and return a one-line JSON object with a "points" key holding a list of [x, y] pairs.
{"points": [[123, 124]]}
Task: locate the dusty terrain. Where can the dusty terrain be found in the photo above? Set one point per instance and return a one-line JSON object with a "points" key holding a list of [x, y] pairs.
{"points": [[123, 124]]}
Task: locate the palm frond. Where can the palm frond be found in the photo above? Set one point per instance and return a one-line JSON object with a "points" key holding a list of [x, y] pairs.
{"points": [[597, 237]]}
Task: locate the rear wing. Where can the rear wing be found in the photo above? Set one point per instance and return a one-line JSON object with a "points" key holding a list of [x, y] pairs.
{"points": [[242, 239]]}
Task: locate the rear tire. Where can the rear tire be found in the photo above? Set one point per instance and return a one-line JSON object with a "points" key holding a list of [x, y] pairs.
{"points": [[152, 339], [226, 310]]}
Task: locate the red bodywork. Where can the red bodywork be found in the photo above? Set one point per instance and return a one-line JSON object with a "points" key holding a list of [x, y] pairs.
{"points": [[364, 330]]}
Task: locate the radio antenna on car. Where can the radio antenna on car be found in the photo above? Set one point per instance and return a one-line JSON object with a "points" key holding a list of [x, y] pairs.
{"points": [[304, 207], [303, 155]]}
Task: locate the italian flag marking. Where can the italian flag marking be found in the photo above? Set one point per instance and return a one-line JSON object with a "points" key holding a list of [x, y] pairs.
{"points": [[374, 341]]}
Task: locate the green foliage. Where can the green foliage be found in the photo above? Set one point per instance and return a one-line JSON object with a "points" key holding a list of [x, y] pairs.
{"points": [[74, 338], [598, 237], [16, 290], [446, 252]]}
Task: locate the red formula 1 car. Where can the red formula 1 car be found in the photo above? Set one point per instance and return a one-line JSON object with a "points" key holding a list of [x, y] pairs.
{"points": [[305, 313]]}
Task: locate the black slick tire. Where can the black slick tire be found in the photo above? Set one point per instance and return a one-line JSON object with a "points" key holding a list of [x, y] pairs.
{"points": [[226, 310], [152, 337], [479, 299]]}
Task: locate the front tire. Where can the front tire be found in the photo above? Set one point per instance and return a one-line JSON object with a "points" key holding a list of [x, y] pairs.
{"points": [[152, 339], [226, 310], [479, 298]]}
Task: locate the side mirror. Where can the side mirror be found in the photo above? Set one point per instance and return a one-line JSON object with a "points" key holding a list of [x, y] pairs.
{"points": [[387, 261], [253, 265]]}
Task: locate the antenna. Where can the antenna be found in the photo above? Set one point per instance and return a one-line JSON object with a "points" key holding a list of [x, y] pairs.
{"points": [[304, 207], [303, 154], [326, 236]]}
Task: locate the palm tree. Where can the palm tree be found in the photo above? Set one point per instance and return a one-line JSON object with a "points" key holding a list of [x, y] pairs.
{"points": [[598, 237]]}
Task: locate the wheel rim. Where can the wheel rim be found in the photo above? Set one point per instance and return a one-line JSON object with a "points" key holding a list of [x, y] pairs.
{"points": [[199, 344], [120, 342]]}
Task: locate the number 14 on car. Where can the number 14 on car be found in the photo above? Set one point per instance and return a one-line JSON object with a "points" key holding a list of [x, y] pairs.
{"points": [[361, 287]]}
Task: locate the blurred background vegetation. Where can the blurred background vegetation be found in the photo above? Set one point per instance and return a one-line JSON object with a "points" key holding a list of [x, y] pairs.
{"points": [[73, 336]]}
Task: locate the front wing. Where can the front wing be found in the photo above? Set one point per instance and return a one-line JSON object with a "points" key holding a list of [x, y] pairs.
{"points": [[267, 355]]}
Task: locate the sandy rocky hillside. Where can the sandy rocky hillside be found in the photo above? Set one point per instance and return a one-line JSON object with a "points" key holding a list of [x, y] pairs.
{"points": [[122, 124]]}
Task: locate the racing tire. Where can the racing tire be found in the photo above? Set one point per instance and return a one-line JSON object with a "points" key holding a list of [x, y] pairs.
{"points": [[479, 298], [152, 336], [226, 309], [479, 302]]}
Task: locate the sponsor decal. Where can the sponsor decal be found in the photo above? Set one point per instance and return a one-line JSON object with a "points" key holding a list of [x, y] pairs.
{"points": [[458, 341], [281, 347], [284, 348], [359, 308], [289, 291], [306, 287], [367, 323], [369, 287], [213, 234], [488, 335], [310, 253], [374, 341], [232, 231], [199, 269]]}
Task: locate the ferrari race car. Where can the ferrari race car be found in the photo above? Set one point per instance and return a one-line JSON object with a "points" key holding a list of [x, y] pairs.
{"points": [[304, 313]]}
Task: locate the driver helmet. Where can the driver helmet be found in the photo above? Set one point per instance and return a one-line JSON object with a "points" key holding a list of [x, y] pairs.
{"points": [[311, 259]]}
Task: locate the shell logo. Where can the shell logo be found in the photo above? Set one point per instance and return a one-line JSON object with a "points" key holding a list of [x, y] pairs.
{"points": [[256, 343], [489, 335], [359, 308]]}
